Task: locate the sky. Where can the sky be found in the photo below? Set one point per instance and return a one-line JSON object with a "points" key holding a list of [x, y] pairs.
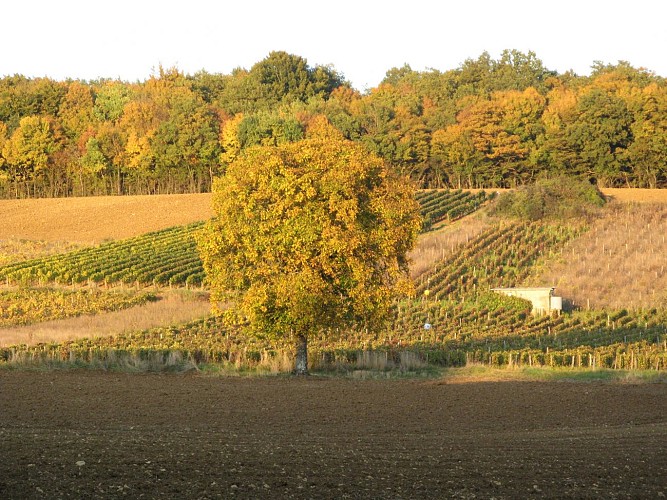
{"points": [[362, 39]]}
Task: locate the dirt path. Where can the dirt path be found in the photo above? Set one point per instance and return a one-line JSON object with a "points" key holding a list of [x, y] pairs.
{"points": [[103, 435]]}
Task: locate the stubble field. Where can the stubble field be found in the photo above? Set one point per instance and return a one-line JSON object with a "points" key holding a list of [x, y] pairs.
{"points": [[96, 219]]}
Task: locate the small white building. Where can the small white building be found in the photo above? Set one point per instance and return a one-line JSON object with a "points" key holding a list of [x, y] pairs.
{"points": [[542, 298]]}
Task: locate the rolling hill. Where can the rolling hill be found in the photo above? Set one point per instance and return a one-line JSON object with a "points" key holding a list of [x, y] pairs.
{"points": [[459, 257]]}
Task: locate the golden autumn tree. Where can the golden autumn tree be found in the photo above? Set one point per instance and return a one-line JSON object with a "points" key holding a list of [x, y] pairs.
{"points": [[309, 236], [28, 153], [229, 139], [76, 110]]}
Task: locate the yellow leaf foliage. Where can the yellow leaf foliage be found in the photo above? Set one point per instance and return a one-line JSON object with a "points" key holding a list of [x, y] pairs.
{"points": [[309, 236]]}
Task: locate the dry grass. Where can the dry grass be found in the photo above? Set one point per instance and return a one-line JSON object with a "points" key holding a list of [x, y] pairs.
{"points": [[436, 245], [174, 308], [96, 219], [619, 263], [12, 250]]}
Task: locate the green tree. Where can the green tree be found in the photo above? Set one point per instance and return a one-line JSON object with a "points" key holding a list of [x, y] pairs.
{"points": [[21, 97], [110, 142], [186, 144], [308, 237], [283, 77], [280, 78], [94, 165], [268, 129], [110, 99], [518, 71], [648, 152], [600, 134], [209, 86]]}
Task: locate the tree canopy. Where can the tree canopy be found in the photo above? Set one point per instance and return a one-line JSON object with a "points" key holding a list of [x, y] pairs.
{"points": [[309, 236], [487, 123]]}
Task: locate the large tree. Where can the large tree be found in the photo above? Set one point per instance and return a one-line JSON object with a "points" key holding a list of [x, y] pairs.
{"points": [[309, 236], [600, 135]]}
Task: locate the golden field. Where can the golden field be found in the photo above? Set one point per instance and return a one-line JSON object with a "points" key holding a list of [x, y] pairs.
{"points": [[96, 219]]}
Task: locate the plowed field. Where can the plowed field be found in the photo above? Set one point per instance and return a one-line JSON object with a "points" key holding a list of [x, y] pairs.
{"points": [[97, 435]]}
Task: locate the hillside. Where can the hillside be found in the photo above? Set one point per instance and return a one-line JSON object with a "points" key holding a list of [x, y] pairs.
{"points": [[455, 264], [618, 263]]}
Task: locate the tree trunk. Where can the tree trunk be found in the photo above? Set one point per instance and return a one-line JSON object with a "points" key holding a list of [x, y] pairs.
{"points": [[301, 355]]}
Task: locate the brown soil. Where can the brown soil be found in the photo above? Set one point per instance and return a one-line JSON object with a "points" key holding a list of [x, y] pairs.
{"points": [[105, 435], [96, 219]]}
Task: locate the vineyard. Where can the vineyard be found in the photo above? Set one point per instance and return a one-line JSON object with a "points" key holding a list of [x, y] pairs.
{"points": [[483, 332], [501, 256], [441, 206], [453, 320], [167, 257], [26, 306]]}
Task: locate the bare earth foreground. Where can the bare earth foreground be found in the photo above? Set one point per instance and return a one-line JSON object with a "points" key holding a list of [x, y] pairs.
{"points": [[104, 435]]}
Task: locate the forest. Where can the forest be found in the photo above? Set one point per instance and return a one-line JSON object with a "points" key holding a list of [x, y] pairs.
{"points": [[489, 123]]}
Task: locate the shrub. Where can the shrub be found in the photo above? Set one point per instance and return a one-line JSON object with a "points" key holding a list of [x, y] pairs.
{"points": [[553, 198]]}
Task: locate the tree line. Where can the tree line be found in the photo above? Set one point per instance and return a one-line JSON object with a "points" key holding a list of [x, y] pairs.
{"points": [[487, 123]]}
